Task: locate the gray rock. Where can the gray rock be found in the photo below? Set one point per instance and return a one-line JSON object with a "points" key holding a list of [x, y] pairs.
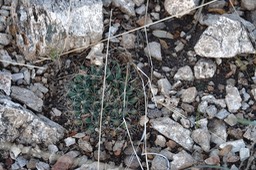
{"points": [[26, 74], [118, 145], [211, 110], [22, 125], [202, 106], [53, 148], [236, 145], [131, 162], [248, 4], [231, 120], [159, 162], [222, 114], [244, 153], [41, 87], [189, 95], [245, 95], [55, 112], [4, 56], [218, 131], [211, 99], [69, 141], [162, 34], [184, 73], [164, 85], [233, 98], [56, 26], [173, 131], [154, 113], [128, 41], [160, 141], [204, 68], [141, 10], [85, 145], [126, 6], [253, 91], [5, 82], [182, 160], [225, 37], [250, 133], [138, 2], [5, 39], [179, 8], [202, 137], [17, 76], [154, 49], [42, 166], [179, 46], [27, 97]]}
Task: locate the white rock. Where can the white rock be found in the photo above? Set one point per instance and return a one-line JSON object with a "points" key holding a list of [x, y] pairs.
{"points": [[160, 141], [244, 153], [211, 99], [173, 131], [17, 76], [5, 82], [231, 120], [223, 113], [5, 39], [58, 26], [182, 160], [14, 151], [53, 148], [55, 112], [179, 46], [204, 68], [218, 131], [237, 145], [225, 38], [202, 137], [162, 34], [179, 8], [184, 73], [4, 56], [248, 4], [164, 85], [189, 95], [128, 41], [154, 49], [253, 91], [141, 10], [233, 98], [70, 141], [126, 6]]}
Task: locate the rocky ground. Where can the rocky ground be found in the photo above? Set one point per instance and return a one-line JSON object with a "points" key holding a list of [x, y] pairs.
{"points": [[180, 85]]}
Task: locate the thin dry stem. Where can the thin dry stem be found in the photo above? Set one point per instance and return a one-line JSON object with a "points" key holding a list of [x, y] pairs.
{"points": [[103, 91], [19, 64]]}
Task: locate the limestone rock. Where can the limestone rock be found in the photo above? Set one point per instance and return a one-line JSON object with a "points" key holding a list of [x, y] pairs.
{"points": [[22, 125], [204, 69], [154, 49], [248, 4], [184, 73], [175, 7], [56, 26], [233, 98], [182, 160], [189, 95], [173, 131], [5, 82], [27, 97], [226, 37]]}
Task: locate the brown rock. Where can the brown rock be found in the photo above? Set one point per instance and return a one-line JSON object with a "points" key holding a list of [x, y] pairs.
{"points": [[64, 163]]}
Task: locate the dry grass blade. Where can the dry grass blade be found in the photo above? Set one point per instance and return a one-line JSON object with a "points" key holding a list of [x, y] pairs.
{"points": [[19, 64], [103, 91]]}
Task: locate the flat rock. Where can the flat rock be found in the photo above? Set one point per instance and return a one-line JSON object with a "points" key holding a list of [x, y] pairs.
{"points": [[173, 131], [22, 125], [218, 131], [189, 95], [53, 27], [27, 97], [236, 145], [5, 57], [128, 41], [179, 8], [182, 160], [244, 153], [184, 73], [204, 68], [202, 137], [5, 82], [250, 133], [154, 49], [126, 6], [5, 39], [225, 37], [233, 98], [164, 85]]}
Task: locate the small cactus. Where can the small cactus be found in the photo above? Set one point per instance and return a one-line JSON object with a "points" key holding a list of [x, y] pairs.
{"points": [[85, 92]]}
